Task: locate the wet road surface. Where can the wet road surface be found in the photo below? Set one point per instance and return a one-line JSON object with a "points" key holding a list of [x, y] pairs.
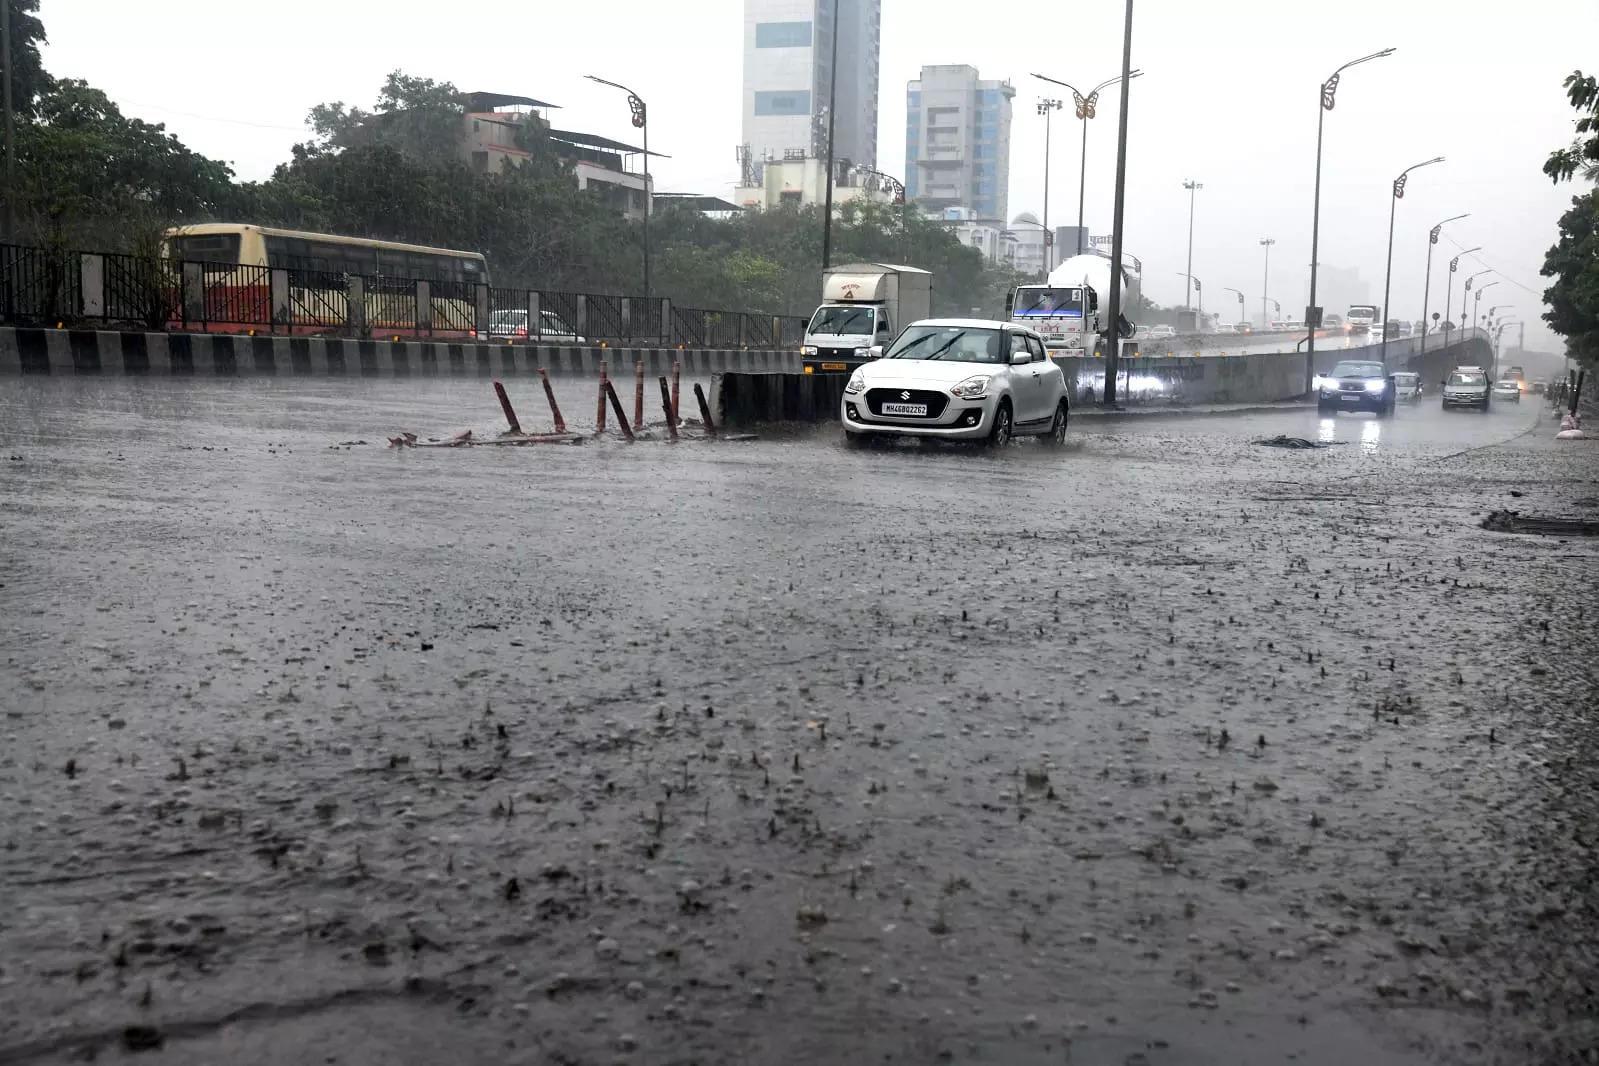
{"points": [[1162, 749]]}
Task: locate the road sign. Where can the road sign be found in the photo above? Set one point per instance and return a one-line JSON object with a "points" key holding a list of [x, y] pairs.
{"points": [[1313, 317]]}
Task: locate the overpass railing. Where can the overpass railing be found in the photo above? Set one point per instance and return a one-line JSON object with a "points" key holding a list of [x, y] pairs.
{"points": [[50, 287]]}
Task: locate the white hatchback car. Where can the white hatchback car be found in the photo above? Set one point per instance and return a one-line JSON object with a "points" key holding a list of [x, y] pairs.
{"points": [[958, 379]]}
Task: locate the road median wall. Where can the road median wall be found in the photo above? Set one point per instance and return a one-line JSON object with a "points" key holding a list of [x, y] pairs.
{"points": [[68, 352]]}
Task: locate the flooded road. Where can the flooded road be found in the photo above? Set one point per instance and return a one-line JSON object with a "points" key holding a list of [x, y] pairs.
{"points": [[1164, 749]]}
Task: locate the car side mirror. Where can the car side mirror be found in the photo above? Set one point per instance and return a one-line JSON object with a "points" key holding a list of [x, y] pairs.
{"points": [[875, 351], [1018, 358]]}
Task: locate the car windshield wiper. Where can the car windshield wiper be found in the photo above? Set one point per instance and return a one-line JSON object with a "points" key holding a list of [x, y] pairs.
{"points": [[947, 345]]}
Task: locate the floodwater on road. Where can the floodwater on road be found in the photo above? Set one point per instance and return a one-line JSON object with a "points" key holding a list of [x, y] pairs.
{"points": [[1163, 748]]}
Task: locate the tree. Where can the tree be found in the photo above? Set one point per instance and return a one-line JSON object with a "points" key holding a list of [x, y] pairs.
{"points": [[419, 117], [1582, 155], [88, 174], [28, 79], [1573, 262]]}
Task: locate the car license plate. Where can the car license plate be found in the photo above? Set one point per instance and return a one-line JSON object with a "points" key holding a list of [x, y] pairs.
{"points": [[917, 409], [834, 366], [1351, 397]]}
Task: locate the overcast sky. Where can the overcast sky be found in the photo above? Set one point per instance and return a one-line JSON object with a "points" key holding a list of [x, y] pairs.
{"points": [[1228, 98]]}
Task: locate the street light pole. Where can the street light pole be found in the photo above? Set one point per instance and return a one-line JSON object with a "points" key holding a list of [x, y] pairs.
{"points": [[642, 122], [1113, 348], [1449, 288], [1388, 274], [1324, 101], [1047, 108], [1265, 281], [1193, 187], [1477, 303], [1085, 110], [832, 112], [1240, 302], [1426, 286]]}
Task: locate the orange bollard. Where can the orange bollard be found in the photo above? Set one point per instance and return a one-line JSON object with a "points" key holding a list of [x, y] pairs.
{"points": [[671, 415], [676, 366], [621, 418], [555, 408], [505, 405], [638, 396], [705, 411], [599, 415]]}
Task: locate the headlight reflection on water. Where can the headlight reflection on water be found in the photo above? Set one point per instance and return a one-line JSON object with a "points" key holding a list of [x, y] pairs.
{"points": [[1370, 437]]}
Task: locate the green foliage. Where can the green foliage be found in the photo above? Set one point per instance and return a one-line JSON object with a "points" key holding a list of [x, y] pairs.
{"points": [[28, 79], [1573, 263], [88, 174], [1582, 155], [418, 117]]}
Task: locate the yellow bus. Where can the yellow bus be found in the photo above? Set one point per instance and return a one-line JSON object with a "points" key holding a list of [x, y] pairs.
{"points": [[238, 258]]}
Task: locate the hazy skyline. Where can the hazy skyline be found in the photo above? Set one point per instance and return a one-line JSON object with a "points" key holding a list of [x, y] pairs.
{"points": [[1228, 98]]}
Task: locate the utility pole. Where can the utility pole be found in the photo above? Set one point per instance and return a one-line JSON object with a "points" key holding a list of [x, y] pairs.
{"points": [[11, 123], [1188, 292], [1113, 347], [1046, 108], [1265, 281], [832, 113]]}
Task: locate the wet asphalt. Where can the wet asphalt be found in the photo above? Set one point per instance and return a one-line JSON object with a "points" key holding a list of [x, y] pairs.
{"points": [[1164, 748]]}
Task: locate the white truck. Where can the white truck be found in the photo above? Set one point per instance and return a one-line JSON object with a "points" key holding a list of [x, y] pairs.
{"points": [[863, 305], [1065, 309]]}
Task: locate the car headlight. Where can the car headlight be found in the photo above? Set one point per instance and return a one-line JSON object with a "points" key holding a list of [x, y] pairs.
{"points": [[857, 382], [973, 388], [808, 349], [1376, 386], [1322, 383]]}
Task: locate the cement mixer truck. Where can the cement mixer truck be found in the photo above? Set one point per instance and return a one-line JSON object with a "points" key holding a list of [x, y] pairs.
{"points": [[1066, 309]]}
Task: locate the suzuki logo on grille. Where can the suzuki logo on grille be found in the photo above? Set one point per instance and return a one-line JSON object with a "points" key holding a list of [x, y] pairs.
{"points": [[904, 395]]}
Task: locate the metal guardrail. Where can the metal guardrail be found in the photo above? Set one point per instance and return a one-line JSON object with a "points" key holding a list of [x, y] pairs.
{"points": [[49, 287]]}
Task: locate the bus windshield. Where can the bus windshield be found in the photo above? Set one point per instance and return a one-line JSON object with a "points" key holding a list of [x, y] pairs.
{"points": [[1363, 311]]}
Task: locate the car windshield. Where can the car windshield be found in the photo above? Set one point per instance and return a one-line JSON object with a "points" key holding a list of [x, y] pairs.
{"points": [[1467, 379], [955, 344], [1405, 379], [1047, 301], [1357, 370], [843, 321]]}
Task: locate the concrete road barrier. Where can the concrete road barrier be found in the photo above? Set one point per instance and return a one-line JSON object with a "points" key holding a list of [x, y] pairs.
{"points": [[107, 352]]}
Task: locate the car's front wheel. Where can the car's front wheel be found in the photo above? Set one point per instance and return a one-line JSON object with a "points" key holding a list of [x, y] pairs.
{"points": [[1000, 434], [1056, 437]]}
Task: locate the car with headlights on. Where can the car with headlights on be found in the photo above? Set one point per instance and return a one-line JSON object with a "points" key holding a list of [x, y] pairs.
{"points": [[1507, 389], [1466, 386], [958, 379], [1356, 385]]}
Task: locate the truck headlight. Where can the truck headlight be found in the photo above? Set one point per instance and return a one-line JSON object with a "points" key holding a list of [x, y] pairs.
{"points": [[808, 349], [1376, 386], [863, 353], [973, 388], [857, 382]]}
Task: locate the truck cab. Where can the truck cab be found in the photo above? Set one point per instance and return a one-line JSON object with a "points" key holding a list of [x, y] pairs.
{"points": [[1062, 316], [864, 306]]}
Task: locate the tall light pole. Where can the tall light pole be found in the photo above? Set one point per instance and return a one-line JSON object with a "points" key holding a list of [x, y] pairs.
{"points": [[1426, 286], [641, 120], [1388, 274], [1324, 101], [1477, 303], [1047, 108], [1085, 110], [1463, 293], [1193, 187], [1241, 318], [1449, 288], [1113, 349], [832, 112], [1265, 281]]}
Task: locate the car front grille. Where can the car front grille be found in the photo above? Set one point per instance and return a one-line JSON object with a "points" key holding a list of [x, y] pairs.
{"points": [[935, 401]]}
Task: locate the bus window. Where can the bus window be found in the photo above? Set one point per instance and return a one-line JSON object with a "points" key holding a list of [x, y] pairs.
{"points": [[208, 248]]}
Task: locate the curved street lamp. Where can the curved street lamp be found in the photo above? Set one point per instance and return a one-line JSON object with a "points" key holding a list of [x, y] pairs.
{"points": [[1241, 319], [1476, 303], [1195, 282], [1085, 105], [1449, 292], [1426, 288], [1324, 101], [1388, 274], [641, 120]]}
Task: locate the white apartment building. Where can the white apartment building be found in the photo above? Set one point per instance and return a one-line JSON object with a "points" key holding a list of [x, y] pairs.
{"points": [[957, 141], [788, 47]]}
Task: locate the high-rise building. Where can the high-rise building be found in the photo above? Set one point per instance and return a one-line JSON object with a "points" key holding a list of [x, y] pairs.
{"points": [[957, 141], [788, 50]]}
